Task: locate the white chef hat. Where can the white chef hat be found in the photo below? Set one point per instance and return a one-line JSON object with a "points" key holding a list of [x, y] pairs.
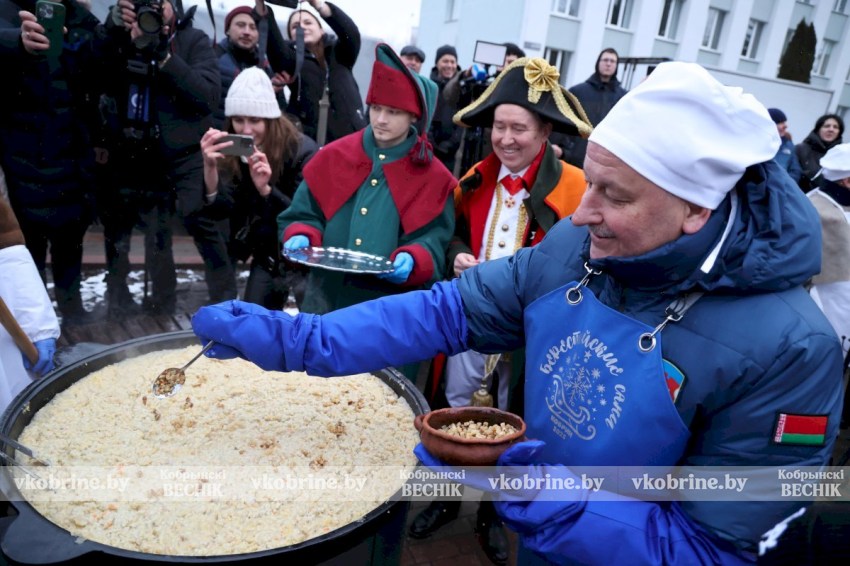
{"points": [[688, 133], [835, 165]]}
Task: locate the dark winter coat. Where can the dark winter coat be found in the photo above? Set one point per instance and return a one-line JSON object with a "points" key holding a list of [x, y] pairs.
{"points": [[45, 111], [253, 218], [185, 92], [444, 135], [809, 152], [232, 60], [345, 114], [597, 98]]}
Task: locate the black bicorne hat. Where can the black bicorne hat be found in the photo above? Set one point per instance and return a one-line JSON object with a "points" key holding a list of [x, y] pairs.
{"points": [[533, 84]]}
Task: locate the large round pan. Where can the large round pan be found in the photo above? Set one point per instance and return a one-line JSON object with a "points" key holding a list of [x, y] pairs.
{"points": [[29, 538]]}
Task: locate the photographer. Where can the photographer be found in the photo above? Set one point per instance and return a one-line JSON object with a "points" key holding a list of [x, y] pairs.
{"points": [[45, 150], [324, 95], [166, 89]]}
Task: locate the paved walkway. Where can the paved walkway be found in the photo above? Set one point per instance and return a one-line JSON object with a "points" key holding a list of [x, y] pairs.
{"points": [[185, 253]]}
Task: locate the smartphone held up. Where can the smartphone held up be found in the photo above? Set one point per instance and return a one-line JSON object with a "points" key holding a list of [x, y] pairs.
{"points": [[243, 146], [51, 16]]}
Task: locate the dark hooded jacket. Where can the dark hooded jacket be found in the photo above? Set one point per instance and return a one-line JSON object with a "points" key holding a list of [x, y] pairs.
{"points": [[597, 98]]}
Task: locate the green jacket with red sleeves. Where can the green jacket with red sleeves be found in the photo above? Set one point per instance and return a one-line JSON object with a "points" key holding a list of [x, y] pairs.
{"points": [[377, 201]]}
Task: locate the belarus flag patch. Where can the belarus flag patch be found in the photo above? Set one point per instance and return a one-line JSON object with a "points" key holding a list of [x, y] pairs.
{"points": [[808, 430]]}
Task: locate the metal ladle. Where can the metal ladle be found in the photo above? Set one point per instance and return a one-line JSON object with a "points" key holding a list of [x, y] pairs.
{"points": [[171, 380]]}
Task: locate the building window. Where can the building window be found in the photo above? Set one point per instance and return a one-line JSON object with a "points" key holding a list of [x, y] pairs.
{"points": [[713, 28], [453, 10], [670, 19], [752, 39], [566, 7], [619, 13], [559, 59], [840, 6], [822, 58]]}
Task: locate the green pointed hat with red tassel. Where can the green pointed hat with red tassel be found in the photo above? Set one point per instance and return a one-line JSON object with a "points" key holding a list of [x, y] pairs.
{"points": [[393, 84]]}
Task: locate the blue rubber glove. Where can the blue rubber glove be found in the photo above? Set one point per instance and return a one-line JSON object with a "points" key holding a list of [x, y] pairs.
{"points": [[46, 348], [296, 243], [403, 265], [245, 330], [513, 463], [566, 524], [472, 477]]}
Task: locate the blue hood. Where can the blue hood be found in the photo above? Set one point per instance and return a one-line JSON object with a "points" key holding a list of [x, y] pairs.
{"points": [[774, 243]]}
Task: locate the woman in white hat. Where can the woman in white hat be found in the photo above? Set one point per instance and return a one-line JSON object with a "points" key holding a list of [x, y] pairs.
{"points": [[252, 190]]}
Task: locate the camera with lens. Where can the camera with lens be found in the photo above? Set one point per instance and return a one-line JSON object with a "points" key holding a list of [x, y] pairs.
{"points": [[149, 16]]}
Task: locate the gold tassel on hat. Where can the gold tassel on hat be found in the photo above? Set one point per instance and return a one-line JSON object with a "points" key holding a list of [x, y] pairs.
{"points": [[482, 397]]}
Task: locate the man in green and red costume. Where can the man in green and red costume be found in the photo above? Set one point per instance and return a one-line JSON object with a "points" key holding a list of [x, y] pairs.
{"points": [[377, 191]]}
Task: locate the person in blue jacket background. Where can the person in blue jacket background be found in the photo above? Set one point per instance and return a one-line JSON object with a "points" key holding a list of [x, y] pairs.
{"points": [[786, 157], [664, 324]]}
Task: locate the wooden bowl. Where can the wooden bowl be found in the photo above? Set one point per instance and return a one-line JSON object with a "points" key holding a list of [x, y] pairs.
{"points": [[467, 451]]}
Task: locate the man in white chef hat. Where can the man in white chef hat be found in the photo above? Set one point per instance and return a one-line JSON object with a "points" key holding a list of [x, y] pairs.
{"points": [[831, 287], [664, 324]]}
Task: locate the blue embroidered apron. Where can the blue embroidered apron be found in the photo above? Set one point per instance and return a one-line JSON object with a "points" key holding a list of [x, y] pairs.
{"points": [[595, 390]]}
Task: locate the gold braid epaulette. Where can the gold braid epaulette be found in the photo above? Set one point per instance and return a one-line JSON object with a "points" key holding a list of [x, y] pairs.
{"points": [[541, 77]]}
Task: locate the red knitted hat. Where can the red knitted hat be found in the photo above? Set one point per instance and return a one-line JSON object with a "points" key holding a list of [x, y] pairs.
{"points": [[235, 12]]}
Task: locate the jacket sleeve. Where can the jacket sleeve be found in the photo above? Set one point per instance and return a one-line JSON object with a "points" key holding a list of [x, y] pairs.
{"points": [[367, 336], [794, 168], [645, 533], [347, 47], [280, 55], [451, 92], [808, 166], [428, 247], [493, 303], [11, 46], [25, 295], [195, 80], [304, 217]]}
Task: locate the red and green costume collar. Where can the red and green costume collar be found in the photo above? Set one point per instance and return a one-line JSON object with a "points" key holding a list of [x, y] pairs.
{"points": [[419, 190]]}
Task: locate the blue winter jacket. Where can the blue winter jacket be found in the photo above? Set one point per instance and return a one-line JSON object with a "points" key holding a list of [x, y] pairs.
{"points": [[753, 346], [786, 158]]}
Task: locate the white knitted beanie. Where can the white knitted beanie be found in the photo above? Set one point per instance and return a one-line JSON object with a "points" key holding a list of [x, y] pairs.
{"points": [[251, 94]]}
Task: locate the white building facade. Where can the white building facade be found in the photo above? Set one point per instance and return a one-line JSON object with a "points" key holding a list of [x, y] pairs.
{"points": [[739, 41]]}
